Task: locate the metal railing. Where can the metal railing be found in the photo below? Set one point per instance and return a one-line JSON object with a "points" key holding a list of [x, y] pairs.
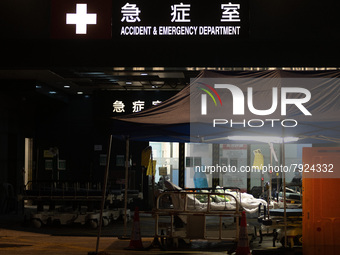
{"points": [[55, 190], [185, 203]]}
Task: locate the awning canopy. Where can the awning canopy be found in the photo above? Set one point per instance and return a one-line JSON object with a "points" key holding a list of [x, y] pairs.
{"points": [[176, 120]]}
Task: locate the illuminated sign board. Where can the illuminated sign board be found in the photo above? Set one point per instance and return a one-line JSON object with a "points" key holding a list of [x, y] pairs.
{"points": [[81, 18], [181, 18], [118, 103], [127, 19], [74, 19], [118, 106]]}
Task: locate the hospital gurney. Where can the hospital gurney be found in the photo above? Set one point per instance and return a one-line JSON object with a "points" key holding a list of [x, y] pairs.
{"points": [[199, 214], [273, 222], [75, 202]]}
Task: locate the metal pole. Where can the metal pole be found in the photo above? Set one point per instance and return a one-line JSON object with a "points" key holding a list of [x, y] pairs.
{"points": [[284, 188], [126, 183], [270, 176], [153, 181], [104, 192], [248, 164]]}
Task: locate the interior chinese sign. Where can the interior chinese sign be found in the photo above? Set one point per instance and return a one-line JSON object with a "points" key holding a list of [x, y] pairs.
{"points": [[118, 103]]}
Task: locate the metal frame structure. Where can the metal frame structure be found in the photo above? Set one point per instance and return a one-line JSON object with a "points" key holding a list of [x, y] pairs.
{"points": [[192, 210]]}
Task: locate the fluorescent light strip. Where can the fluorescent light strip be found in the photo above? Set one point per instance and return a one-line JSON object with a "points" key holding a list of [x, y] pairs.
{"points": [[267, 139]]}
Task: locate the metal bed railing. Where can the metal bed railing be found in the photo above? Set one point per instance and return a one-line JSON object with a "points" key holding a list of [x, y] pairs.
{"points": [[186, 204], [61, 190]]}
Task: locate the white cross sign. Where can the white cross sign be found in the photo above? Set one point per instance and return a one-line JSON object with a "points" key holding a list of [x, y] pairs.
{"points": [[81, 18]]}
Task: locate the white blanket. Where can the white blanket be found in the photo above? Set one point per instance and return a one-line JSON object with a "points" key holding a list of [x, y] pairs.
{"points": [[246, 201]]}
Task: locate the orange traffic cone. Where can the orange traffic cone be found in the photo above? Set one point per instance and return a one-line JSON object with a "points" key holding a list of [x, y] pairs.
{"points": [[136, 241], [243, 244]]}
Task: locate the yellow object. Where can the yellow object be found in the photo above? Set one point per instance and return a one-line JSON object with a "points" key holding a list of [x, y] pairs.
{"points": [[48, 154], [151, 168], [146, 153], [258, 159]]}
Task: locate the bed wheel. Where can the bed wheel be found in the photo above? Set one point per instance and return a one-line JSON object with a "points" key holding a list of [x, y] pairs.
{"points": [[93, 224], [290, 242], [233, 248], [105, 222], [169, 241], [275, 235], [175, 242], [36, 223]]}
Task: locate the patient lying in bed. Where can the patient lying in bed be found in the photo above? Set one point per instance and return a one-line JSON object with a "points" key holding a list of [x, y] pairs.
{"points": [[221, 202]]}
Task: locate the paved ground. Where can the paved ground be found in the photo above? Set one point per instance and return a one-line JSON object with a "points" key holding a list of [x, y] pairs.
{"points": [[18, 236]]}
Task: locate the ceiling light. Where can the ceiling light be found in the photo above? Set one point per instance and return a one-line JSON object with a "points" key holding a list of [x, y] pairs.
{"points": [[95, 73], [67, 86], [158, 68], [130, 83], [157, 82], [138, 68], [38, 87], [52, 92], [143, 74], [80, 92], [268, 139]]}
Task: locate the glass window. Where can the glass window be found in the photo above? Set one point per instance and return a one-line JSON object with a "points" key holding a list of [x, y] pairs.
{"points": [[232, 158], [166, 156], [273, 157], [198, 156]]}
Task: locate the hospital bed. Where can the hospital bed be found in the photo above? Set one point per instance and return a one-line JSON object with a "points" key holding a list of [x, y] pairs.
{"points": [[277, 221], [76, 202], [205, 214]]}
